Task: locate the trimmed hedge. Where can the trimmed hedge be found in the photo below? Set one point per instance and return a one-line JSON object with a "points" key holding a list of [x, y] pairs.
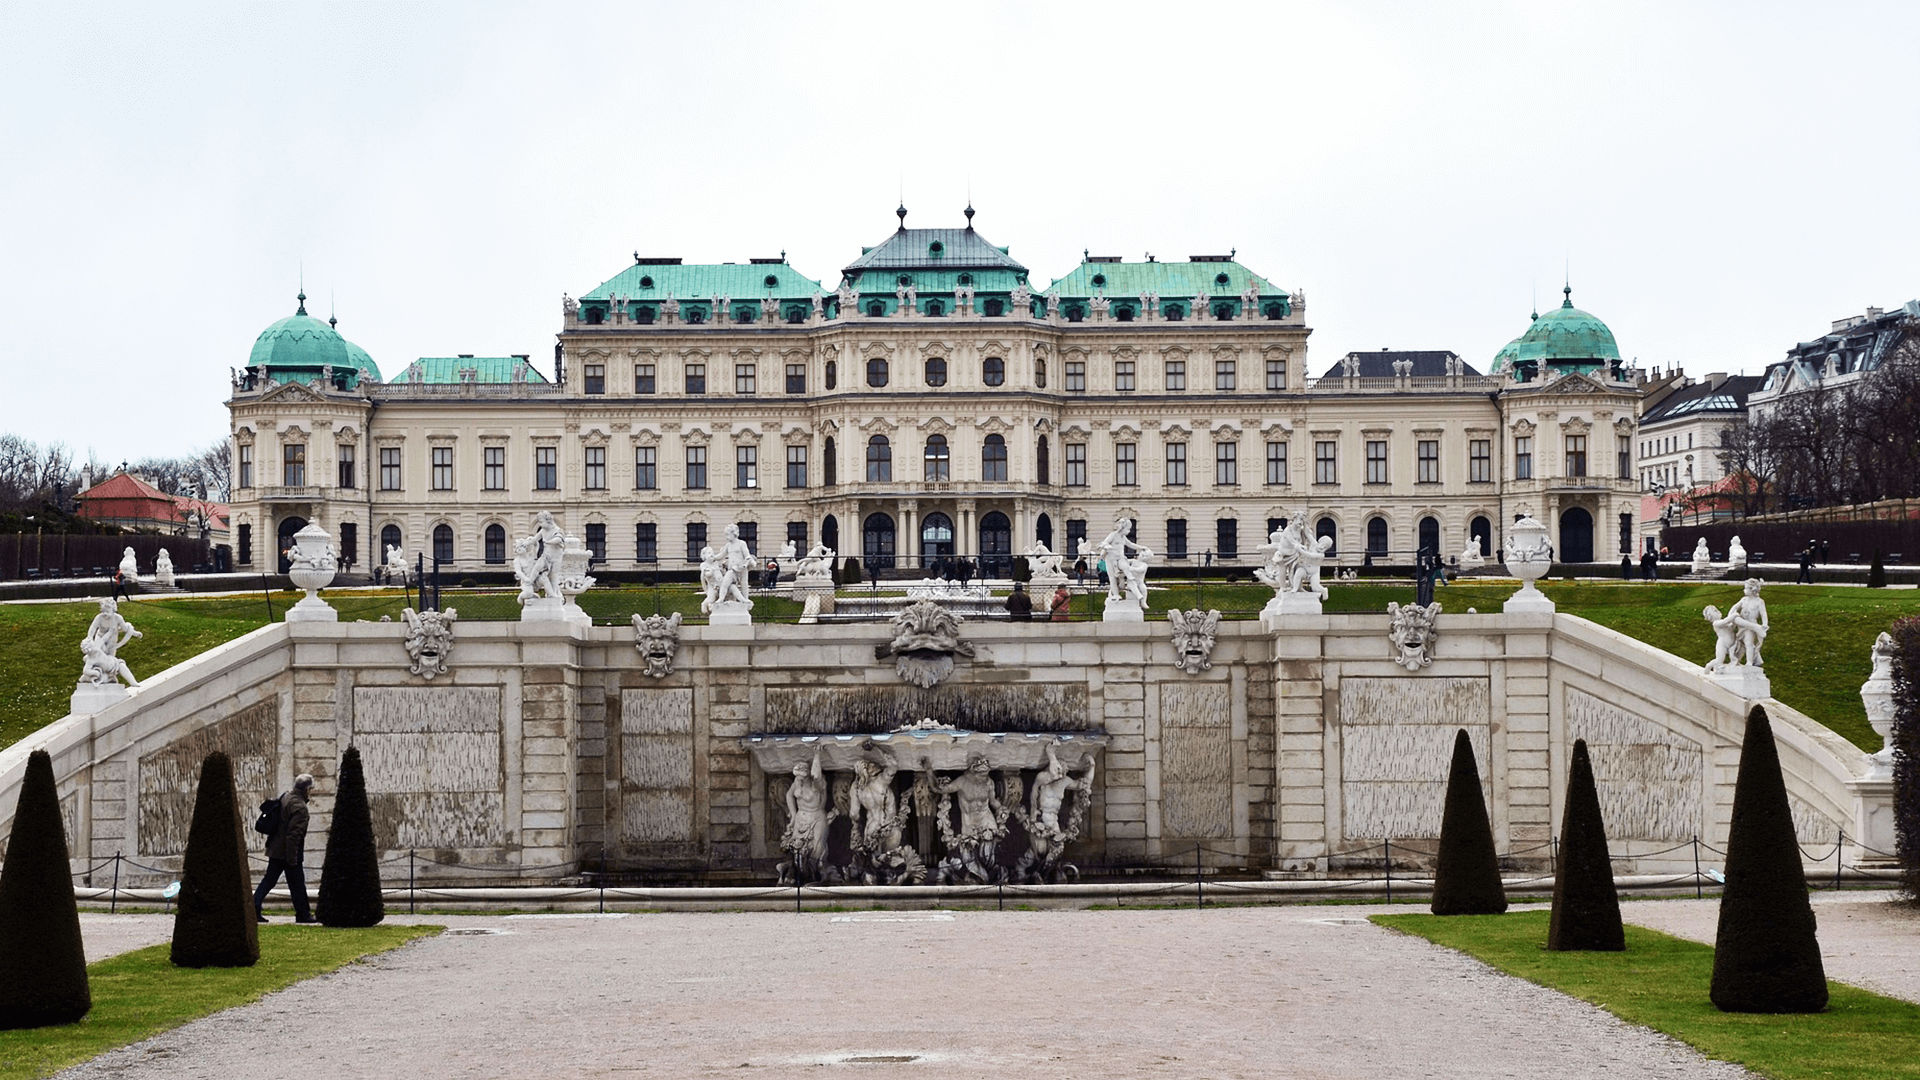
{"points": [[214, 924], [350, 888], [1906, 751], [43, 962], [1586, 908], [1466, 877]]}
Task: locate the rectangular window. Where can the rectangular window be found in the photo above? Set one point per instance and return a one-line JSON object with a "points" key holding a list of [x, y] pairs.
{"points": [[1176, 375], [696, 378], [1276, 463], [696, 539], [1076, 535], [597, 541], [1226, 464], [349, 543], [1126, 471], [442, 468], [1223, 375], [343, 460], [1176, 538], [1123, 375], [596, 468], [1376, 461], [646, 468], [1523, 457], [546, 468], [1480, 461], [293, 464], [246, 544], [696, 467], [1576, 455], [745, 376], [1324, 463], [643, 379], [750, 536], [1428, 453], [1276, 373], [1076, 376], [1076, 464], [796, 466], [646, 542], [493, 468], [1176, 464], [796, 378], [797, 535], [595, 377], [389, 468], [1227, 537], [246, 468], [746, 464], [1626, 455]]}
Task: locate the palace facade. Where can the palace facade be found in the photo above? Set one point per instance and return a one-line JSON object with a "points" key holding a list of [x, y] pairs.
{"points": [[936, 402]]}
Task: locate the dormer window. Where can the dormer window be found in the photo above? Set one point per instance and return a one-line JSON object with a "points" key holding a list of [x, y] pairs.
{"points": [[1174, 313], [936, 249], [643, 315], [876, 308], [1220, 279], [936, 308], [1273, 312], [646, 283], [1099, 279], [1123, 313], [743, 315], [594, 315], [966, 279], [770, 281], [996, 308], [1075, 313], [906, 279], [696, 315], [1223, 312]]}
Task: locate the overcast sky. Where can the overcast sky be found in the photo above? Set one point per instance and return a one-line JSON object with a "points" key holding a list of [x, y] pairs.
{"points": [[1721, 180]]}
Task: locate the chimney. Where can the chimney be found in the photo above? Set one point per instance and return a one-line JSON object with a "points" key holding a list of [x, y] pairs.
{"points": [[1715, 378]]}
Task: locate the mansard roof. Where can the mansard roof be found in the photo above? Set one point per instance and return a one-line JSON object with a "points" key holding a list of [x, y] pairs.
{"points": [[1427, 364], [653, 279], [487, 369], [1096, 276], [935, 249], [1728, 396]]}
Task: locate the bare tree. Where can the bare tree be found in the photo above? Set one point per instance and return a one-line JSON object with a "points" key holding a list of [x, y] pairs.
{"points": [[216, 471]]}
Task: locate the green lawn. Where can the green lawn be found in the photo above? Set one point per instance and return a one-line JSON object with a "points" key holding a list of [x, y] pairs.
{"points": [[1661, 982], [140, 994]]}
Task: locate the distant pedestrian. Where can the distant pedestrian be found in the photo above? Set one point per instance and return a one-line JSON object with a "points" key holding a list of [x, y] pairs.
{"points": [[286, 853], [120, 590], [1019, 604], [1649, 566], [1823, 553], [1080, 572], [1058, 609], [773, 573], [966, 571], [1806, 567]]}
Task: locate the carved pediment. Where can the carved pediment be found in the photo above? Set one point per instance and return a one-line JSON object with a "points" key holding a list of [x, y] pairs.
{"points": [[939, 349], [293, 432], [1274, 432], [1075, 432], [1523, 426], [879, 425], [746, 436], [696, 437], [594, 437], [1575, 426], [935, 425], [1573, 382], [745, 354], [993, 425], [796, 436], [1225, 352], [243, 436], [1225, 432], [1125, 429], [1176, 432], [1623, 426], [646, 437], [877, 350], [290, 394], [694, 356], [1283, 350], [994, 348], [1175, 352]]}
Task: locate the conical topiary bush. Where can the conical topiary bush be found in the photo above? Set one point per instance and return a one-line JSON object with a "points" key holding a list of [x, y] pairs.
{"points": [[43, 964], [1586, 909], [350, 876], [1466, 878], [213, 926], [1766, 955], [1906, 752]]}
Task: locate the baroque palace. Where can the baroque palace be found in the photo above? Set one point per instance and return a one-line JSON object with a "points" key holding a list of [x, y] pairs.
{"points": [[936, 402]]}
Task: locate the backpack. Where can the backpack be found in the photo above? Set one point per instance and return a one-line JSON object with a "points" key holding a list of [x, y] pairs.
{"points": [[269, 820]]}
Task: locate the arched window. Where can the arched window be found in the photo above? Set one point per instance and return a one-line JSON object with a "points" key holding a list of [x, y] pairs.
{"points": [[1043, 529], [1377, 537], [443, 543], [832, 470], [496, 545], [993, 458], [830, 532], [1041, 465], [877, 371], [939, 461], [1174, 312], [1123, 312], [996, 307], [594, 315], [1482, 532], [996, 545], [1430, 535], [936, 371], [1273, 312], [389, 538], [833, 374], [936, 536], [876, 308], [1327, 528], [936, 309], [876, 542], [879, 458], [1040, 372], [993, 371]]}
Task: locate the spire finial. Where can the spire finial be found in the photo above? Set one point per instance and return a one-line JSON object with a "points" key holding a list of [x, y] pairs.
{"points": [[903, 214], [303, 301], [1568, 293], [969, 212]]}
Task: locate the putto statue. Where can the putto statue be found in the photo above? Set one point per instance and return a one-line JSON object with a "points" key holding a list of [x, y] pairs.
{"points": [[163, 569], [100, 649], [925, 638], [1126, 573], [1047, 837], [536, 559], [1739, 633], [1294, 558], [723, 577], [658, 638], [1412, 629], [1193, 638], [429, 640], [1702, 558]]}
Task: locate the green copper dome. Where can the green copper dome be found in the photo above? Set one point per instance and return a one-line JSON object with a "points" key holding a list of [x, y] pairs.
{"points": [[299, 347], [1565, 338]]}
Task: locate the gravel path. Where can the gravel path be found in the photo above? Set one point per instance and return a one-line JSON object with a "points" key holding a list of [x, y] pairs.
{"points": [[1304, 992]]}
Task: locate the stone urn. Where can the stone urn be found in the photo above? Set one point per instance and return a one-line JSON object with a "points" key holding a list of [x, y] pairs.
{"points": [[313, 569], [1876, 694], [1529, 555]]}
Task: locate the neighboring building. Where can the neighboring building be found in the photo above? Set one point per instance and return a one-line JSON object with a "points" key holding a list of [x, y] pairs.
{"points": [[935, 403], [1680, 445], [129, 501], [1855, 347]]}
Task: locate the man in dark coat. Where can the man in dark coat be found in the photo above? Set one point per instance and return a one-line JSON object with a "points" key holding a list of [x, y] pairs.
{"points": [[1019, 604], [286, 853]]}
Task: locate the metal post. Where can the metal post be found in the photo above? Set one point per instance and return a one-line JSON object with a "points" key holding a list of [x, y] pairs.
{"points": [[412, 891], [796, 894], [113, 905], [1838, 844], [1000, 888], [1697, 891], [1387, 846], [1199, 886]]}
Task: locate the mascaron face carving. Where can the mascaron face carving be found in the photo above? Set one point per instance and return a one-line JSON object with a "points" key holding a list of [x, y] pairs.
{"points": [[1412, 633], [925, 637], [657, 637], [1193, 637], [429, 640]]}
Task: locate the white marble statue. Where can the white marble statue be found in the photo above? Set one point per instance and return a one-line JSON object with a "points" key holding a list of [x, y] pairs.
{"points": [[810, 813], [1053, 303], [737, 563], [1126, 581], [848, 297], [671, 307], [1740, 632], [163, 569], [129, 566], [537, 559], [100, 649], [1528, 553], [1022, 300], [770, 309], [396, 565], [1043, 564], [789, 551], [1876, 694], [983, 822], [819, 303], [710, 568], [1294, 560], [818, 563], [1472, 558], [1736, 554], [1100, 305], [1702, 558]]}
